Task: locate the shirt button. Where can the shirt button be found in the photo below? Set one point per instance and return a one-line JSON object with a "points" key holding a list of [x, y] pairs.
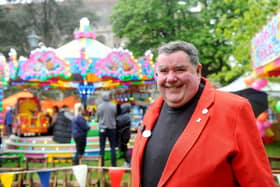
{"points": [[198, 120]]}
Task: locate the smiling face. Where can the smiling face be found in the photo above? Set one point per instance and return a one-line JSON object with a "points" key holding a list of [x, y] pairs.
{"points": [[177, 78]]}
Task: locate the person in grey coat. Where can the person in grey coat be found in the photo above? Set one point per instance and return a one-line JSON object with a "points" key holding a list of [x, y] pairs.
{"points": [[106, 116]]}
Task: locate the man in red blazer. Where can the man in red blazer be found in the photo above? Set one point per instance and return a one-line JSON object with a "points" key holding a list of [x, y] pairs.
{"points": [[194, 135]]}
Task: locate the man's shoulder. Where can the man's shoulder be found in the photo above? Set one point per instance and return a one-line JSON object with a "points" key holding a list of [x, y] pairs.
{"points": [[228, 96]]}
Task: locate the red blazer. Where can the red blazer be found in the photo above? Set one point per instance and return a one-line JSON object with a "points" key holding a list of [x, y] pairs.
{"points": [[220, 147]]}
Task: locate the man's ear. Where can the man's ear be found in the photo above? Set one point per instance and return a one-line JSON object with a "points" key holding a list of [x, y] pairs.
{"points": [[199, 69]]}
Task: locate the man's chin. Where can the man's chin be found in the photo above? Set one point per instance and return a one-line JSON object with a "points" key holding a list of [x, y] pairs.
{"points": [[173, 103]]}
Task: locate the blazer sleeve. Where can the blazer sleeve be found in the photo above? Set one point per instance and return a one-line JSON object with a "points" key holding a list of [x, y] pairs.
{"points": [[250, 164]]}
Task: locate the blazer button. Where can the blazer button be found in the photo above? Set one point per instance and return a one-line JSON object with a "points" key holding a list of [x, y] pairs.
{"points": [[147, 133], [205, 111]]}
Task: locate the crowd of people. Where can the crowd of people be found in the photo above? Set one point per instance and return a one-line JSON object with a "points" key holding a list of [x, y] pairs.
{"points": [[114, 123], [64, 125]]}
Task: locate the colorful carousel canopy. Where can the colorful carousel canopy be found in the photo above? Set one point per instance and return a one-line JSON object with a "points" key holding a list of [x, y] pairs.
{"points": [[83, 63], [93, 49], [4, 72], [4, 78], [84, 40], [83, 52]]}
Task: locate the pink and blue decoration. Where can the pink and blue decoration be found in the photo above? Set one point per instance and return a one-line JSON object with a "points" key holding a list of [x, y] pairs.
{"points": [[44, 64]]}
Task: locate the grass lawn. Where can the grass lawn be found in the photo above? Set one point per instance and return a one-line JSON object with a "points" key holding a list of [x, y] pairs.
{"points": [[273, 149]]}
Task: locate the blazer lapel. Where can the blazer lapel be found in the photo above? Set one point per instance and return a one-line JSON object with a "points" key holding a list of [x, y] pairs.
{"points": [[147, 125], [190, 134]]}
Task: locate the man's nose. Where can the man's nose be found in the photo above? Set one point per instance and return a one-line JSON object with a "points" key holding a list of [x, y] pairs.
{"points": [[171, 76]]}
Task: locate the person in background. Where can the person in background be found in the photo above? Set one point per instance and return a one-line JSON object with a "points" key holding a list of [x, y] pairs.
{"points": [[123, 131], [1, 140], [194, 135], [118, 109], [55, 110], [8, 120], [79, 131], [62, 132], [49, 119], [106, 116]]}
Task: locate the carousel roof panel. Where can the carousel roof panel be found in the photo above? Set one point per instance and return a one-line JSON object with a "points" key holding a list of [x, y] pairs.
{"points": [[93, 49]]}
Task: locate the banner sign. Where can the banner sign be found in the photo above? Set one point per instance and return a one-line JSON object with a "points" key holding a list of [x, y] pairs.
{"points": [[265, 45]]}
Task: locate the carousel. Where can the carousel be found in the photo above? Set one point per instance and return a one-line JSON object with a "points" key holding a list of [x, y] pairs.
{"points": [[83, 64]]}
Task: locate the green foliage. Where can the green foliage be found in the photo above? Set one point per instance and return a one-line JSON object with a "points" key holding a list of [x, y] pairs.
{"points": [[149, 23], [272, 103], [221, 30], [145, 25], [53, 22], [244, 21]]}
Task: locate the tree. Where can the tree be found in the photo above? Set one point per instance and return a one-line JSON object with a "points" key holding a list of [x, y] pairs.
{"points": [[10, 33], [148, 23], [215, 49], [52, 21], [221, 30]]}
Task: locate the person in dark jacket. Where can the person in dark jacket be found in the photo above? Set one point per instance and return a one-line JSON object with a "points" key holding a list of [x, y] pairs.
{"points": [[63, 126], [79, 132], [123, 131], [8, 121]]}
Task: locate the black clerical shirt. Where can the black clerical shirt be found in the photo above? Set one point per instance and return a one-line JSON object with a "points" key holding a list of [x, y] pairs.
{"points": [[169, 126]]}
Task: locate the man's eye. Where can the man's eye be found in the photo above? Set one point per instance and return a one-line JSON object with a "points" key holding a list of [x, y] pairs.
{"points": [[163, 71], [180, 70]]}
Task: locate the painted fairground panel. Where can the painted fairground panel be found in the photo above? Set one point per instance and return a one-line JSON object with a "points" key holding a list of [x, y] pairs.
{"points": [[29, 118], [265, 49]]}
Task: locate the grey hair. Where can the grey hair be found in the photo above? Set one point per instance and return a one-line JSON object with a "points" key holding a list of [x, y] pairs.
{"points": [[186, 47]]}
